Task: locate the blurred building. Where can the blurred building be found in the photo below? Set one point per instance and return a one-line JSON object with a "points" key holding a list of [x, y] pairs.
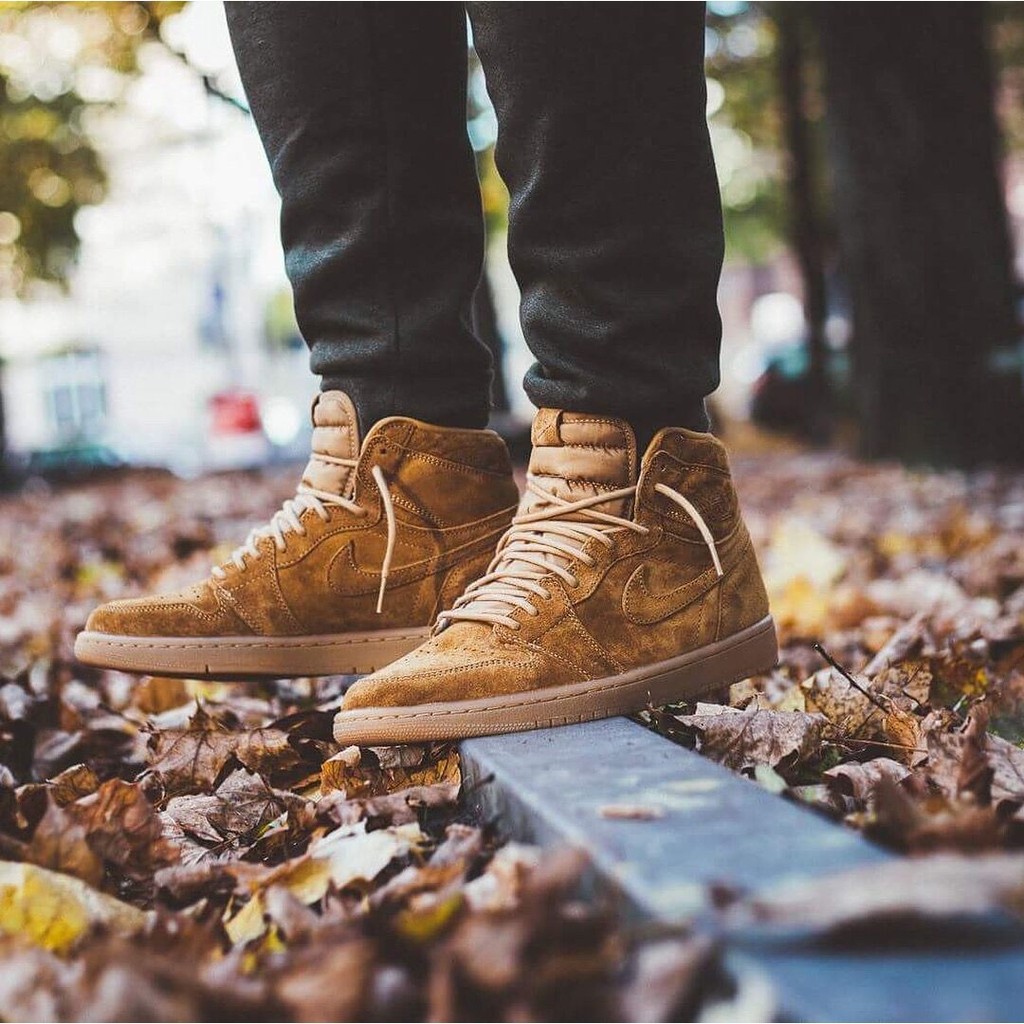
{"points": [[179, 295]]}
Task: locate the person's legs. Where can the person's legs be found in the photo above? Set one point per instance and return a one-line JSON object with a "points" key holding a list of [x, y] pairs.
{"points": [[615, 230], [628, 577], [362, 110]]}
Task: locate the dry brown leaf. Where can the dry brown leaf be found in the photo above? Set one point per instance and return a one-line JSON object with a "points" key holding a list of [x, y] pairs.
{"points": [[901, 731], [189, 761], [631, 812], [918, 823], [242, 804], [946, 761], [328, 984], [859, 779], [73, 783], [60, 843], [368, 776], [266, 751], [744, 739], [900, 891], [123, 828]]}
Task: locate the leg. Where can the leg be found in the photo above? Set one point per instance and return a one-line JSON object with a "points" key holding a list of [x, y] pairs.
{"points": [[628, 578], [615, 228], [361, 108]]}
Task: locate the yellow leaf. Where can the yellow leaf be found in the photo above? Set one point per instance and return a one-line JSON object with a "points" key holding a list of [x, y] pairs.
{"points": [[160, 693], [346, 855], [801, 567], [308, 880], [248, 923], [793, 699], [421, 923], [53, 910]]}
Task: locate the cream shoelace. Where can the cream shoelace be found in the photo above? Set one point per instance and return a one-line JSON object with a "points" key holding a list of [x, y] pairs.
{"points": [[287, 520], [543, 542]]}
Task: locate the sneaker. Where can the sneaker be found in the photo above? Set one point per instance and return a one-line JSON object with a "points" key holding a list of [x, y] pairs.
{"points": [[614, 589], [347, 576]]}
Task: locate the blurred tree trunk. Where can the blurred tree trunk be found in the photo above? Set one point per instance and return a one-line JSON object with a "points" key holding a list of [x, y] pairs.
{"points": [[804, 221], [922, 228]]}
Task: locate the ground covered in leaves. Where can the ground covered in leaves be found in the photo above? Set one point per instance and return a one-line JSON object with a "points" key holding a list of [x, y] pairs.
{"points": [[179, 850], [183, 850], [898, 705]]}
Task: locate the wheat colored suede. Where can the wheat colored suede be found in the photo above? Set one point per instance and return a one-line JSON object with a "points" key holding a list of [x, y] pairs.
{"points": [[453, 496], [648, 598]]}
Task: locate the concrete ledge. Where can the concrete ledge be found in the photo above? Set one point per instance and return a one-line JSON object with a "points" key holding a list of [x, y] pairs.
{"points": [[707, 825], [551, 786]]}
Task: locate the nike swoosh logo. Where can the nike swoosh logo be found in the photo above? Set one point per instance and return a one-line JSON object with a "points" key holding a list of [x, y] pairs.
{"points": [[347, 576], [645, 602]]}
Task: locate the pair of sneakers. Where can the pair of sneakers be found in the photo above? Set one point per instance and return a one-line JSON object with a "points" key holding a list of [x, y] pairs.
{"points": [[616, 582]]}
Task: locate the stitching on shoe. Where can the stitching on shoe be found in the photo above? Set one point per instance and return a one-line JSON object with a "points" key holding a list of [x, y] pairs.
{"points": [[160, 606], [442, 462], [436, 673], [278, 642], [613, 685]]}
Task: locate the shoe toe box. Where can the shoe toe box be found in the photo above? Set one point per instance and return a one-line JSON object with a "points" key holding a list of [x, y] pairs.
{"points": [[192, 612], [464, 662]]}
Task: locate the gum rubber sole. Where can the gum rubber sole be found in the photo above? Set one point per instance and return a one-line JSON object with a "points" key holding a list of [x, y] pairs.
{"points": [[226, 657], [694, 674]]}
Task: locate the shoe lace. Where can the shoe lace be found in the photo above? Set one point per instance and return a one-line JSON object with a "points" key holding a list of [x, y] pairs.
{"points": [[543, 542], [287, 520]]}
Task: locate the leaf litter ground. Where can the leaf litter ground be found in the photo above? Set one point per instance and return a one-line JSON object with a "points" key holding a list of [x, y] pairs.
{"points": [[179, 850]]}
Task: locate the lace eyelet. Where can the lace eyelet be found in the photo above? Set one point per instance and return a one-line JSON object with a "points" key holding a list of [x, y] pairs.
{"points": [[574, 582], [533, 612], [545, 595]]}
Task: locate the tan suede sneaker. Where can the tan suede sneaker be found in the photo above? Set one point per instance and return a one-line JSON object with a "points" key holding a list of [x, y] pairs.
{"points": [[608, 593], [347, 576]]}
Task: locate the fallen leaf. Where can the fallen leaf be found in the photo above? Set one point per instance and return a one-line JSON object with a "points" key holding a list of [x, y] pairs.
{"points": [[54, 910], [887, 895], [666, 980], [73, 783], [189, 761], [744, 739], [60, 843], [631, 812], [157, 694], [123, 828], [860, 778], [241, 806], [367, 776]]}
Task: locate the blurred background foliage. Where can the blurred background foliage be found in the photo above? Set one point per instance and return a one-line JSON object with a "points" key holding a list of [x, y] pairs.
{"points": [[58, 63], [831, 126]]}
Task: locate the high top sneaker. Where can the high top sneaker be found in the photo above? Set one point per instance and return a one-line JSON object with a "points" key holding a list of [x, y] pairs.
{"points": [[347, 576], [610, 592]]}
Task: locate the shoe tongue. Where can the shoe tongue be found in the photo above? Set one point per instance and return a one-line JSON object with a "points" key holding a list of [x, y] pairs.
{"points": [[577, 455], [335, 436]]}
